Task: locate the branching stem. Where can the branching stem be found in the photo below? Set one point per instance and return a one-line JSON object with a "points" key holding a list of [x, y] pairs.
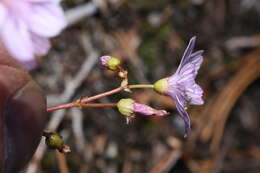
{"points": [[85, 100], [82, 102]]}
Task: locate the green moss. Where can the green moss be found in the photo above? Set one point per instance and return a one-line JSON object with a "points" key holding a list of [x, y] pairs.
{"points": [[184, 4], [149, 127], [148, 31], [148, 4], [164, 31], [228, 59], [153, 45], [149, 51], [48, 162], [71, 2]]}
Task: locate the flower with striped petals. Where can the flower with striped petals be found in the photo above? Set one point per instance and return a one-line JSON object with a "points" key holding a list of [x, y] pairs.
{"points": [[181, 86]]}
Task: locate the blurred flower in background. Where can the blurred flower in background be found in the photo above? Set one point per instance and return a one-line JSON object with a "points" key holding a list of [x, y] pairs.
{"points": [[26, 26]]}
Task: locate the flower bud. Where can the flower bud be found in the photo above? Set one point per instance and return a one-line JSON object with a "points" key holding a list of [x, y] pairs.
{"points": [[110, 62], [126, 107], [53, 140], [104, 60], [147, 110], [161, 86]]}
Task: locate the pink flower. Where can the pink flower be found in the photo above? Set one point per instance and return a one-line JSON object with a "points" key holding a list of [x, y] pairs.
{"points": [[26, 26], [181, 86]]}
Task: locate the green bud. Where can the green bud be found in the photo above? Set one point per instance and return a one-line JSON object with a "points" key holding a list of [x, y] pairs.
{"points": [[113, 63], [161, 85], [126, 107], [54, 140]]}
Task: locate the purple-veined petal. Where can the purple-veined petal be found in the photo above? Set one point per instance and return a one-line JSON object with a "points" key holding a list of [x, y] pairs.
{"points": [[196, 54], [196, 59], [187, 53], [184, 115], [180, 92], [187, 74], [181, 86], [41, 45], [194, 94], [46, 20], [187, 69], [17, 40], [197, 101], [194, 91]]}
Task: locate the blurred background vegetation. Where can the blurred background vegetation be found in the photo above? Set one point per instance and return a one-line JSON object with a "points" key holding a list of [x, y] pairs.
{"points": [[150, 37]]}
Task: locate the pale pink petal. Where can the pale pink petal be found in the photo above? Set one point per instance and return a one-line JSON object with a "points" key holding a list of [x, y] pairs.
{"points": [[45, 1], [41, 45], [2, 14], [46, 20], [17, 40]]}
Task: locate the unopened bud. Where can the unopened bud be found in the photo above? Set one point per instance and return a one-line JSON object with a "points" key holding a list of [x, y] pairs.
{"points": [[111, 63], [126, 107], [147, 110], [104, 60], [53, 140]]}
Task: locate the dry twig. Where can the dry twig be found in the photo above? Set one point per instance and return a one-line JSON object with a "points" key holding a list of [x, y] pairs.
{"points": [[218, 109], [62, 162], [66, 96]]}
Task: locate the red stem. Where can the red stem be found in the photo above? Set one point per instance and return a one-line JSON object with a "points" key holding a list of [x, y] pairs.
{"points": [[88, 99]]}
